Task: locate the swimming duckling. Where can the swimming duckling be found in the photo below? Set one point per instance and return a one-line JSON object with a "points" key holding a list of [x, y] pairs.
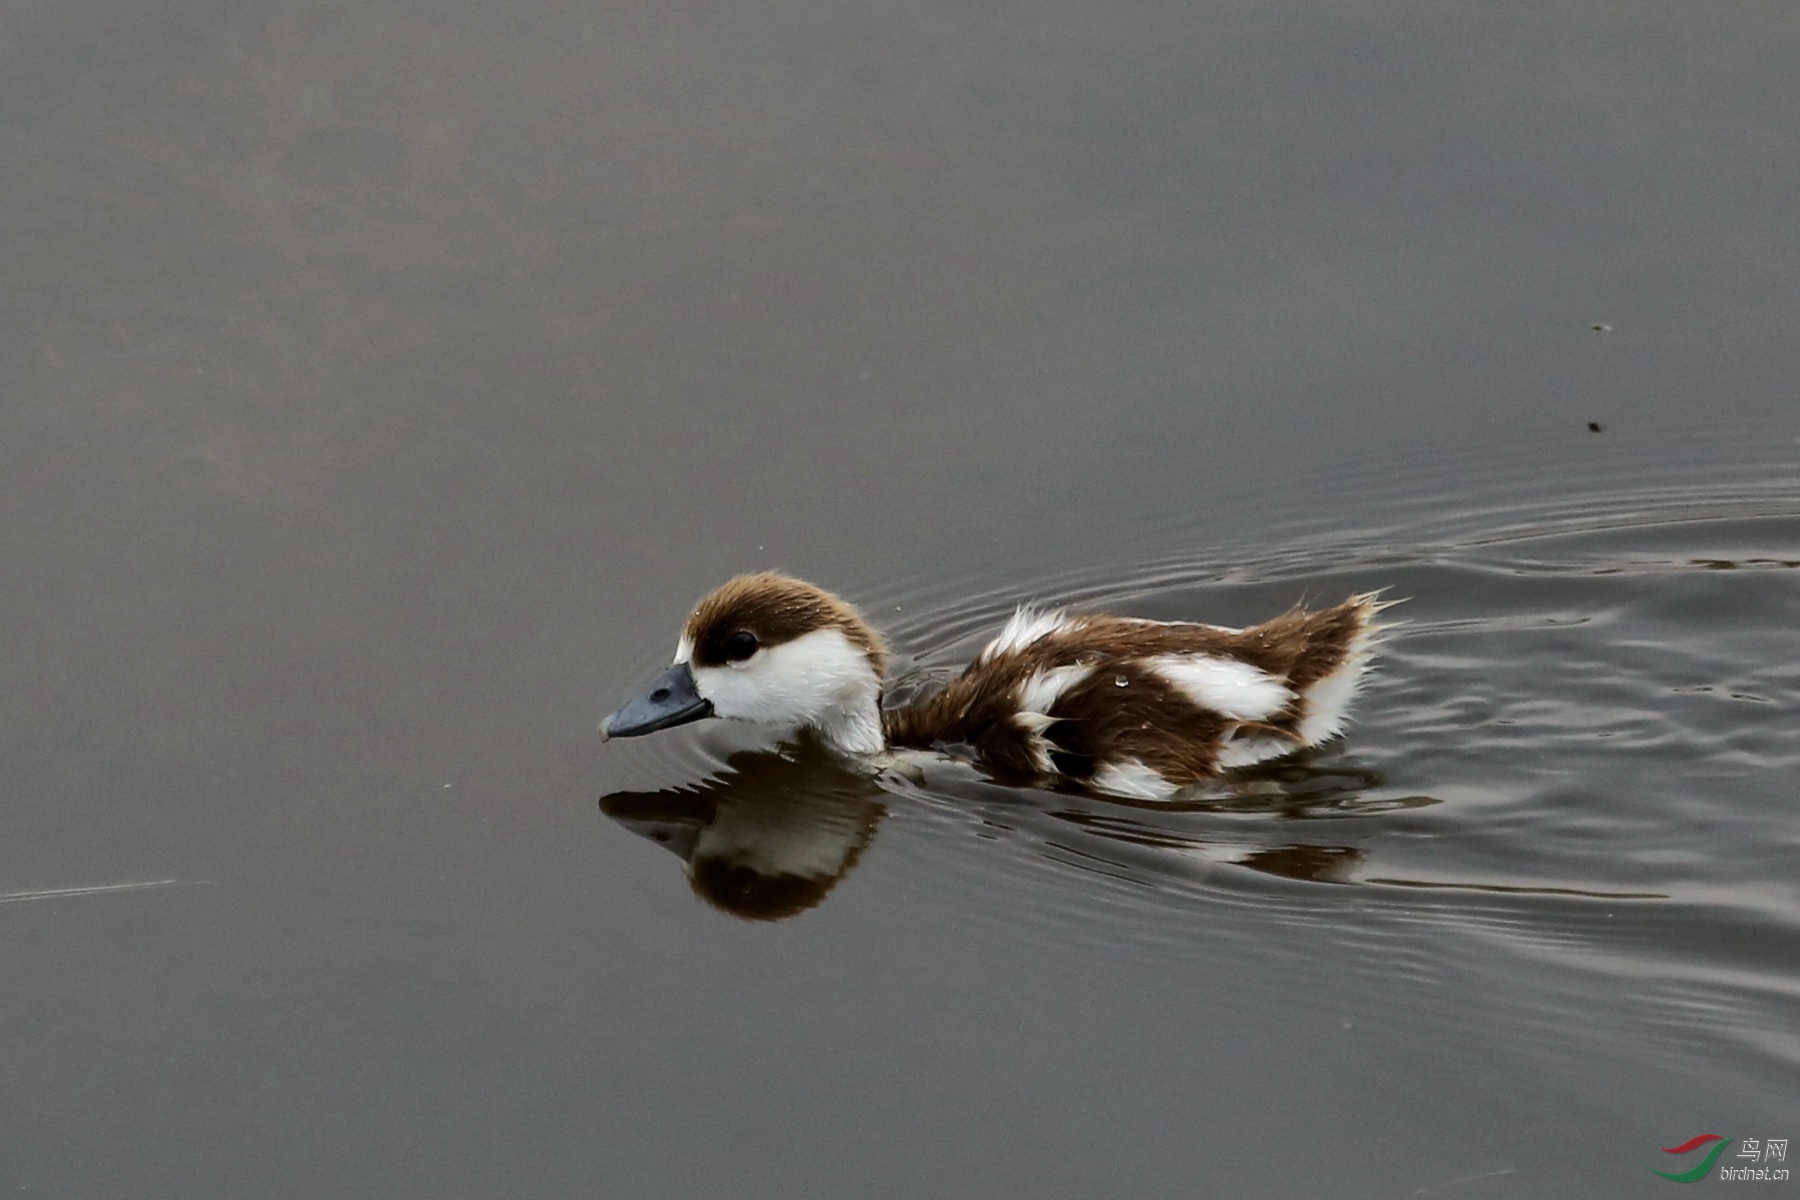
{"points": [[1116, 705]]}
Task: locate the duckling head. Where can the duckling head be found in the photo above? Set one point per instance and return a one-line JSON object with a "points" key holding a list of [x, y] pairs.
{"points": [[774, 650]]}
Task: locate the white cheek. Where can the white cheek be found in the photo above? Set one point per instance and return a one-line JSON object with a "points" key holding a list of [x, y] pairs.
{"points": [[684, 649], [798, 682], [732, 690]]}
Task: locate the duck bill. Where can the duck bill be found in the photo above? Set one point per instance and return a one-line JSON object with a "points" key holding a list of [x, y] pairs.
{"points": [[667, 701]]}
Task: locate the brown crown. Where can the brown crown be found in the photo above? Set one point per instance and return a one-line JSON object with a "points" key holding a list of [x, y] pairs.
{"points": [[776, 609]]}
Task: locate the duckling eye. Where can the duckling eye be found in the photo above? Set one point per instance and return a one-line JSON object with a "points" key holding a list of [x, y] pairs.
{"points": [[738, 646]]}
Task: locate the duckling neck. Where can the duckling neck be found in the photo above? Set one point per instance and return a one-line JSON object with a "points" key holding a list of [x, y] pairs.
{"points": [[854, 728]]}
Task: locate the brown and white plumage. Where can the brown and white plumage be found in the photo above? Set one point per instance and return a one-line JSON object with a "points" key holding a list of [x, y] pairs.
{"points": [[1117, 705]]}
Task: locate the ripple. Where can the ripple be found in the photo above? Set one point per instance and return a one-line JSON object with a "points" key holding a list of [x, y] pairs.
{"points": [[1581, 750]]}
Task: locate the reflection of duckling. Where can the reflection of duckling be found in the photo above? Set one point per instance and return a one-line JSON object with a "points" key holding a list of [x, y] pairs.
{"points": [[1120, 706], [1304, 860], [767, 838]]}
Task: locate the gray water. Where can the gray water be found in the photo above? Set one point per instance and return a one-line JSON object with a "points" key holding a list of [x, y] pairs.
{"points": [[382, 383]]}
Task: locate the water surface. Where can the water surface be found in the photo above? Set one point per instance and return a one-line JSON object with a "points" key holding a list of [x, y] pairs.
{"points": [[382, 383]]}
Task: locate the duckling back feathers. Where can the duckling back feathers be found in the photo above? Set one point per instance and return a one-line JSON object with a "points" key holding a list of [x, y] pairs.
{"points": [[1143, 708]]}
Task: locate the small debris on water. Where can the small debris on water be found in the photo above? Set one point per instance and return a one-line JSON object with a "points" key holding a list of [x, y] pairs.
{"points": [[1601, 328], [1595, 427]]}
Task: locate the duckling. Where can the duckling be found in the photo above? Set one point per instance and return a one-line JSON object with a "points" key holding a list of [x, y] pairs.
{"points": [[1115, 705]]}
